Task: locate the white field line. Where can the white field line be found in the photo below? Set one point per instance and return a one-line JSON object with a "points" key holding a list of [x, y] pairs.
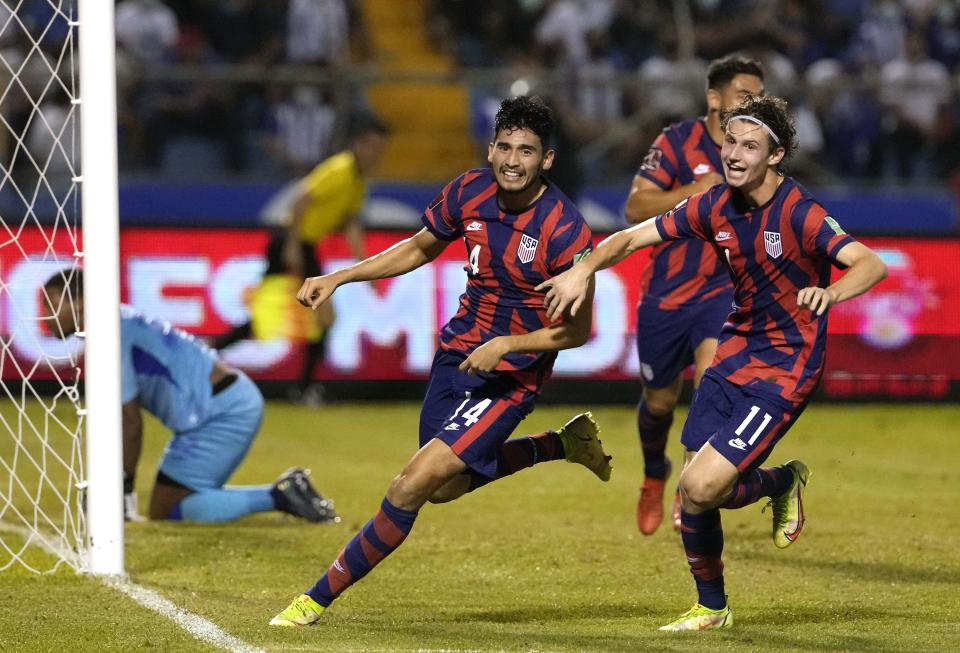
{"points": [[198, 627]]}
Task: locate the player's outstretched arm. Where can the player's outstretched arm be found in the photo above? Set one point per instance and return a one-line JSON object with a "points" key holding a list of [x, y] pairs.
{"points": [[399, 259], [865, 270], [569, 289], [571, 332]]}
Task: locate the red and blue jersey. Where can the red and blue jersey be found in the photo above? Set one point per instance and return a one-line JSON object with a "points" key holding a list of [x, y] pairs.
{"points": [[768, 344], [508, 255], [685, 272]]}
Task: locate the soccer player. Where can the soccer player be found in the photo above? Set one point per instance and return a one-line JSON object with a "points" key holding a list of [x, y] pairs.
{"points": [[685, 291], [213, 410], [778, 243], [327, 201], [495, 354]]}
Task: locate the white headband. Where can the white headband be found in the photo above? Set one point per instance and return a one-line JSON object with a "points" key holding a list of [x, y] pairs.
{"points": [[756, 121]]}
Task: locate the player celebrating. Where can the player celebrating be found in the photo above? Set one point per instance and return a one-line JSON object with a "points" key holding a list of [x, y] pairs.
{"points": [[686, 292], [213, 410], [495, 354], [778, 243]]}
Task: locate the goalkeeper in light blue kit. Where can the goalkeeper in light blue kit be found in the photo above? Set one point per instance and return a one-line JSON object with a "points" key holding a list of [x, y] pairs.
{"points": [[213, 410]]}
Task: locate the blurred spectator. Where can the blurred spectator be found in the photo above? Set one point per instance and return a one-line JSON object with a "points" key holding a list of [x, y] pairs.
{"points": [[562, 31], [598, 95], [302, 122], [203, 110], [670, 88], [147, 29], [880, 37], [915, 90], [317, 31], [850, 115], [244, 31]]}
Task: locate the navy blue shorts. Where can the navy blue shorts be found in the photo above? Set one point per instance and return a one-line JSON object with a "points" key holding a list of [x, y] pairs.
{"points": [[743, 427], [667, 340], [474, 415]]}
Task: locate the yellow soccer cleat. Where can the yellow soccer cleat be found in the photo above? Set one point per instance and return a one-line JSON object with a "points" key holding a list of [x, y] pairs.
{"points": [[580, 445], [304, 611], [700, 617], [788, 518]]}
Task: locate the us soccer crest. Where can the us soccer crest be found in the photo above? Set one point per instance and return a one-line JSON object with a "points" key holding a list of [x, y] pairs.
{"points": [[527, 249], [771, 243]]}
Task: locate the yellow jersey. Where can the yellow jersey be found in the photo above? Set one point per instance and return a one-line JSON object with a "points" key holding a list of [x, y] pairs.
{"points": [[336, 192]]}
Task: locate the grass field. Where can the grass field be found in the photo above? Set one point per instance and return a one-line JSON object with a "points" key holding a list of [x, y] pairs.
{"points": [[547, 560]]}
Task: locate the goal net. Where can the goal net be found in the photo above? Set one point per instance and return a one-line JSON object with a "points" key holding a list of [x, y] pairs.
{"points": [[43, 448]]}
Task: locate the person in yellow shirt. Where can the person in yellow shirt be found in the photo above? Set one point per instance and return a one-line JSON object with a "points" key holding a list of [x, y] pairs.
{"points": [[326, 201]]}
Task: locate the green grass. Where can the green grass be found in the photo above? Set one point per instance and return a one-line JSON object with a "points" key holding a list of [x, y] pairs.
{"points": [[547, 560]]}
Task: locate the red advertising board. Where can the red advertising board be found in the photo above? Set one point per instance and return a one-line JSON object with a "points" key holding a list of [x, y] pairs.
{"points": [[903, 338]]}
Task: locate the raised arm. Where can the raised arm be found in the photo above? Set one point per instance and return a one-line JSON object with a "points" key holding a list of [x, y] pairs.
{"points": [[569, 289], [571, 332], [865, 270], [399, 259]]}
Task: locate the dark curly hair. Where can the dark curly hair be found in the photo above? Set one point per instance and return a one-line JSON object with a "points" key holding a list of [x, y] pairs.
{"points": [[773, 112], [722, 71], [525, 112]]}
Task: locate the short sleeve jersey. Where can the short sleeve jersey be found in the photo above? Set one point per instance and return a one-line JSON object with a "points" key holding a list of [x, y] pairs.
{"points": [[167, 369], [508, 255], [686, 272], [768, 343], [336, 192]]}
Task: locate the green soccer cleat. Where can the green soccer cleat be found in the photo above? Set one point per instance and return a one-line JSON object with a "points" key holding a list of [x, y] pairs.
{"points": [[304, 611], [700, 617], [580, 445], [788, 516]]}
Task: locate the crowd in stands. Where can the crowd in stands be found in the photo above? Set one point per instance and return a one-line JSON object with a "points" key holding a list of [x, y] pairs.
{"points": [[872, 82]]}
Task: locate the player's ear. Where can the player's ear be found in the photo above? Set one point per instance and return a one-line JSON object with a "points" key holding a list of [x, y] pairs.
{"points": [[547, 160], [489, 152], [713, 100], [776, 156]]}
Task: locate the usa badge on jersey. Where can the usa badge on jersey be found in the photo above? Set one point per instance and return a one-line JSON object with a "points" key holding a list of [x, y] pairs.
{"points": [[527, 248], [771, 243]]}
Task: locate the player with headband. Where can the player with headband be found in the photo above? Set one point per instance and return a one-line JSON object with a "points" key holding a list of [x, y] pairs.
{"points": [[778, 244]]}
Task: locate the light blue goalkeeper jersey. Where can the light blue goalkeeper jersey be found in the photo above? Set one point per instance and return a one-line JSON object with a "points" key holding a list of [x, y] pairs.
{"points": [[168, 369]]}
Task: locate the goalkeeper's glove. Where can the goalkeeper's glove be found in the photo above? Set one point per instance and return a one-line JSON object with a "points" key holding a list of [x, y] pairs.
{"points": [[130, 512]]}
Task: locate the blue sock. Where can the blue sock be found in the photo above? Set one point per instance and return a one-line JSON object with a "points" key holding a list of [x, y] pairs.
{"points": [[376, 540], [702, 537], [225, 504], [767, 482], [653, 440]]}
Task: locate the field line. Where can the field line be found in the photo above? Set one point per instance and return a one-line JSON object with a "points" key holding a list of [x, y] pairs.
{"points": [[198, 627]]}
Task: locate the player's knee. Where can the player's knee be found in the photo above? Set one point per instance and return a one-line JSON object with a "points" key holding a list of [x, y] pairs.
{"points": [[409, 491], [701, 491], [660, 403]]}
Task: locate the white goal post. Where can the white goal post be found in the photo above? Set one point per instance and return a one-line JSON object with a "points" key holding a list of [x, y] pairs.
{"points": [[61, 491], [101, 244]]}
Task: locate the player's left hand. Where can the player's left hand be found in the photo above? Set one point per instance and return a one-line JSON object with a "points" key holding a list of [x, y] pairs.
{"points": [[817, 300], [567, 289], [485, 358]]}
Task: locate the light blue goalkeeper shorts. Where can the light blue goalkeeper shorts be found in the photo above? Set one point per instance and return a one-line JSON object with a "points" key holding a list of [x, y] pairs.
{"points": [[204, 457]]}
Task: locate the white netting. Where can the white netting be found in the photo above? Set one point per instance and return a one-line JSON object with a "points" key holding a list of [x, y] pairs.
{"points": [[41, 416]]}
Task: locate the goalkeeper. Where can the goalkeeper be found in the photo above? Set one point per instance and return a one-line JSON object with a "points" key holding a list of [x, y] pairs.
{"points": [[213, 410]]}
